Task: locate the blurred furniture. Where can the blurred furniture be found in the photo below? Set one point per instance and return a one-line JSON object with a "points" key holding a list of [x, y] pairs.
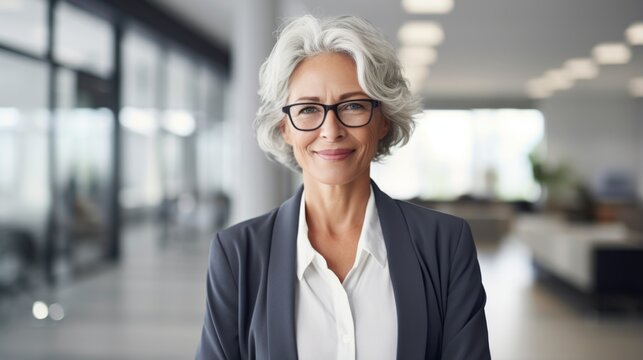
{"points": [[629, 213], [490, 221], [21, 243], [17, 255], [596, 258]]}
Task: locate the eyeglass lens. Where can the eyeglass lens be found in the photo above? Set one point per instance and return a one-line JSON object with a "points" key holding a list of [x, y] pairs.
{"points": [[351, 113]]}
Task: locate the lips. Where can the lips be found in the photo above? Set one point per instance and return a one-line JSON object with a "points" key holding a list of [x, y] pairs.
{"points": [[335, 154]]}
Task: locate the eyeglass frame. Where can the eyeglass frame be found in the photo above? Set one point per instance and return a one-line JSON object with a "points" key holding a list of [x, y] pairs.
{"points": [[333, 107]]}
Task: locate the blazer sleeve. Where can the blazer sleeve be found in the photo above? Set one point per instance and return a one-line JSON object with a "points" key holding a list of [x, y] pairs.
{"points": [[220, 334], [465, 325]]}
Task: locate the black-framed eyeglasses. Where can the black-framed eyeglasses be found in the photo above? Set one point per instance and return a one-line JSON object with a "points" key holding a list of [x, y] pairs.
{"points": [[351, 113]]}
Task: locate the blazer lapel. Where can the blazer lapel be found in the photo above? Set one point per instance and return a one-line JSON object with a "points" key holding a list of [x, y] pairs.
{"points": [[406, 276], [405, 272], [281, 281]]}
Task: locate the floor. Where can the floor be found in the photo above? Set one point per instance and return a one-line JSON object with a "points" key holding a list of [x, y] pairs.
{"points": [[151, 307], [148, 307], [540, 319]]}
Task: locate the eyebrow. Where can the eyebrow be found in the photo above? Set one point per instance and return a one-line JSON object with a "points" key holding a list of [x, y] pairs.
{"points": [[342, 97]]}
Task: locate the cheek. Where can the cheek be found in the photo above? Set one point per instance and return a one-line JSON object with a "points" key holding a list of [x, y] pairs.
{"points": [[370, 142], [300, 141]]}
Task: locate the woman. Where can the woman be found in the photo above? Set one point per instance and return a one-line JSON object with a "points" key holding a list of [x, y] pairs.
{"points": [[341, 270]]}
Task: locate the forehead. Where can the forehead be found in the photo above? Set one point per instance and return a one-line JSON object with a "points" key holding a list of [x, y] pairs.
{"points": [[324, 75]]}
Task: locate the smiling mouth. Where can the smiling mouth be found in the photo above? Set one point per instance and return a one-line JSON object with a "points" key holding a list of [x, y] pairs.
{"points": [[336, 154]]}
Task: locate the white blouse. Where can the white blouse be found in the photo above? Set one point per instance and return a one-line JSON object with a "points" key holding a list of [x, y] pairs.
{"points": [[356, 319]]}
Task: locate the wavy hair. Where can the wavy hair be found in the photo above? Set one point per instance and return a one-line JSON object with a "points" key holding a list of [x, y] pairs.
{"points": [[378, 73]]}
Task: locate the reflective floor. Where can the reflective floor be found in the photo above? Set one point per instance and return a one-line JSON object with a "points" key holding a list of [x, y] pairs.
{"points": [[151, 307], [542, 319]]}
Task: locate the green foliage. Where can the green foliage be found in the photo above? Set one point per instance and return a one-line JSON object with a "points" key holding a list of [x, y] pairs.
{"points": [[548, 175]]}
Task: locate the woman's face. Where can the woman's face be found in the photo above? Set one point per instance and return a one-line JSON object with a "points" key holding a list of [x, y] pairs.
{"points": [[333, 154]]}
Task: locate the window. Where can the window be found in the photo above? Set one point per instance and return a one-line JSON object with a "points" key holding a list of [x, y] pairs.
{"points": [[140, 117], [83, 41], [23, 25], [482, 153], [24, 184]]}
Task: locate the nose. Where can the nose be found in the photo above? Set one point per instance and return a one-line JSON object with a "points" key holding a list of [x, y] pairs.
{"points": [[332, 129]]}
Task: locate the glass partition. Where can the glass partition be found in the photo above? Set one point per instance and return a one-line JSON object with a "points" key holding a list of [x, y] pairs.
{"points": [[214, 203], [140, 120], [23, 25], [84, 132], [57, 135], [83, 41], [24, 174]]}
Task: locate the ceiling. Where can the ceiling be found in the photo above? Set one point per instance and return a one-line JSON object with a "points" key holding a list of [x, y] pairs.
{"points": [[491, 48]]}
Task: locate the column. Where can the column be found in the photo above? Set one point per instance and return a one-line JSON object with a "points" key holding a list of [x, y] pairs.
{"points": [[256, 184]]}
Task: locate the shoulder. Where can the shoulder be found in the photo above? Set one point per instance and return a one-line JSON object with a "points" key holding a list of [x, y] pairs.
{"points": [[246, 240], [419, 216], [429, 230], [248, 229], [434, 232], [250, 241]]}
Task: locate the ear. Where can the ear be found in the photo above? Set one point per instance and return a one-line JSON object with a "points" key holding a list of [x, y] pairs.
{"points": [[384, 129], [285, 132]]}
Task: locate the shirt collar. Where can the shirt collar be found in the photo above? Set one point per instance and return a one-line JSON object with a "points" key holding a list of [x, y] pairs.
{"points": [[371, 239], [305, 251]]}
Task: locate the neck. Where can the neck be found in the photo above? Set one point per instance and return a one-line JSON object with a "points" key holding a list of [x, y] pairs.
{"points": [[336, 209]]}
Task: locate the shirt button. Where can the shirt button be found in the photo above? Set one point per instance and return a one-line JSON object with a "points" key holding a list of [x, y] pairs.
{"points": [[346, 339]]}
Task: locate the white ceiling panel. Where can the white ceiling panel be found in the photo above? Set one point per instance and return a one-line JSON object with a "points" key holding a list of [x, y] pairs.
{"points": [[491, 48]]}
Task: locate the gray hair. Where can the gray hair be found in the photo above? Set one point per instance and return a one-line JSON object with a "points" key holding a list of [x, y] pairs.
{"points": [[378, 73]]}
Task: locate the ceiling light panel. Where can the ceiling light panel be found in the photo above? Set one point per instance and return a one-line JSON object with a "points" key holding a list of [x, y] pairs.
{"points": [[539, 89], [558, 79], [427, 6], [581, 68], [634, 34], [612, 53], [426, 33], [417, 55]]}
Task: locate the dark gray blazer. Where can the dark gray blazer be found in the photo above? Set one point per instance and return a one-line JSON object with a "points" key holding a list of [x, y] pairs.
{"points": [[436, 280]]}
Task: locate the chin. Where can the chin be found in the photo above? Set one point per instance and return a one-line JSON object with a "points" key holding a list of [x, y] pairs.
{"points": [[336, 177]]}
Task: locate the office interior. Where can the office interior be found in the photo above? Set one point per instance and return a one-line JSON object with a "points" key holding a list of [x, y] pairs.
{"points": [[126, 142]]}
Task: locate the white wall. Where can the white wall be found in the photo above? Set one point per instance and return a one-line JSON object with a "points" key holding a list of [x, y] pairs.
{"points": [[257, 184], [595, 134]]}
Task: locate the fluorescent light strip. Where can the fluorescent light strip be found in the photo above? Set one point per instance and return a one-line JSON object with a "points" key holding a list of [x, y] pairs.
{"points": [[581, 68], [611, 53], [539, 89], [426, 33], [558, 79], [634, 34], [417, 55], [428, 6], [584, 68]]}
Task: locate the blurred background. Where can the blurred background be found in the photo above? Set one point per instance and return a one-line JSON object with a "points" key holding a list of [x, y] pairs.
{"points": [[126, 141]]}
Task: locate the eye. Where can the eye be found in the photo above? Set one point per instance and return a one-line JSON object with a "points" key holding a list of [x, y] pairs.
{"points": [[308, 110], [352, 106]]}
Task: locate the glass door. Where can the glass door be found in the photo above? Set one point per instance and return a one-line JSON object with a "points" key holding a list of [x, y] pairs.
{"points": [[84, 132], [84, 140]]}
